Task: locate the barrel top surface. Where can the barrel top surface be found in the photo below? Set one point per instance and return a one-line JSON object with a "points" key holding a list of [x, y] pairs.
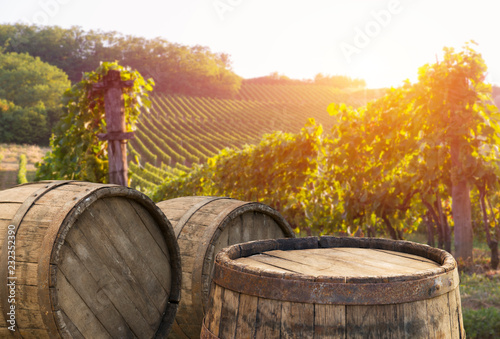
{"points": [[339, 262], [331, 270]]}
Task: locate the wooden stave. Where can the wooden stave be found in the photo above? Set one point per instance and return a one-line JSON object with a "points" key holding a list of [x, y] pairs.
{"points": [[348, 326], [16, 221], [303, 320], [232, 210], [47, 267]]}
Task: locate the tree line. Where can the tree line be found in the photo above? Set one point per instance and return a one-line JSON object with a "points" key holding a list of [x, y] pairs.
{"points": [[176, 68], [37, 64], [336, 81], [30, 98]]}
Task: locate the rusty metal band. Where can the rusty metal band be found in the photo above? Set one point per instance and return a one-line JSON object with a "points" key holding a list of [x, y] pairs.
{"points": [[44, 268], [16, 221], [324, 292], [189, 213], [197, 279], [206, 333]]}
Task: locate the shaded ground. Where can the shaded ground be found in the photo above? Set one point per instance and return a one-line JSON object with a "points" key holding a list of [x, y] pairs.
{"points": [[479, 284], [9, 166], [8, 175]]}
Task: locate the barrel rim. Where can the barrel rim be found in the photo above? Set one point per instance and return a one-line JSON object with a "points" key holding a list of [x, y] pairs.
{"points": [[47, 270], [335, 290]]}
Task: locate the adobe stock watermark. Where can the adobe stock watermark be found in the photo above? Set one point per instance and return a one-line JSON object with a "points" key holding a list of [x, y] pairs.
{"points": [[155, 71], [223, 6], [48, 9], [11, 277], [372, 29]]}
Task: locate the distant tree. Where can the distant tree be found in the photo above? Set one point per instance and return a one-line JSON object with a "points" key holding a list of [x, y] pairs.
{"points": [[339, 81], [23, 125], [175, 68], [274, 78], [31, 91], [28, 81]]}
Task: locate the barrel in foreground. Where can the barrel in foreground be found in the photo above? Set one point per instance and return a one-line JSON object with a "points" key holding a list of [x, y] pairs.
{"points": [[204, 226], [88, 261], [334, 288]]}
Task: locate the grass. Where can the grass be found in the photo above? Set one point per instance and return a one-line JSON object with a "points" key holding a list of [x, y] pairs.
{"points": [[480, 290], [483, 323], [21, 173]]}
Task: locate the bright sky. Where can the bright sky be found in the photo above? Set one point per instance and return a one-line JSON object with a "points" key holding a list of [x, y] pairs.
{"points": [[381, 41]]}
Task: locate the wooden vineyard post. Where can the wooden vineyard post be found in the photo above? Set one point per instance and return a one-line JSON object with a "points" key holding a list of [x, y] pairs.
{"points": [[115, 125]]}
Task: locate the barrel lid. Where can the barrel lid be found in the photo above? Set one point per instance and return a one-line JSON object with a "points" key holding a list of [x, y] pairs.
{"points": [[331, 270]]}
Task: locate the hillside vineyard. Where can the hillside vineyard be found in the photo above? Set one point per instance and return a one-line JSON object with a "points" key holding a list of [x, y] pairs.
{"points": [[180, 131]]}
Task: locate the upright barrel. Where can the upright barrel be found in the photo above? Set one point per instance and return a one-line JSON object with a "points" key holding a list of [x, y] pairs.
{"points": [[203, 226], [85, 260], [334, 288]]}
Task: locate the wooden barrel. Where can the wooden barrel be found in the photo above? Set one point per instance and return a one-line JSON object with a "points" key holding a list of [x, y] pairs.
{"points": [[334, 288], [203, 226], [84, 260]]}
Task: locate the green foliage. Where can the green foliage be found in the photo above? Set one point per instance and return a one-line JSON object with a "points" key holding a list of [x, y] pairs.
{"points": [[396, 152], [175, 68], [183, 130], [76, 151], [382, 168], [23, 125], [480, 291], [273, 172], [21, 173], [30, 98], [28, 81], [483, 323]]}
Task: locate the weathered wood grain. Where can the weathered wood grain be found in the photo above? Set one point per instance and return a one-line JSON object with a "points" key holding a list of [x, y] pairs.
{"points": [[76, 309], [229, 314], [297, 320], [247, 316], [329, 321], [90, 292], [109, 267], [269, 319]]}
